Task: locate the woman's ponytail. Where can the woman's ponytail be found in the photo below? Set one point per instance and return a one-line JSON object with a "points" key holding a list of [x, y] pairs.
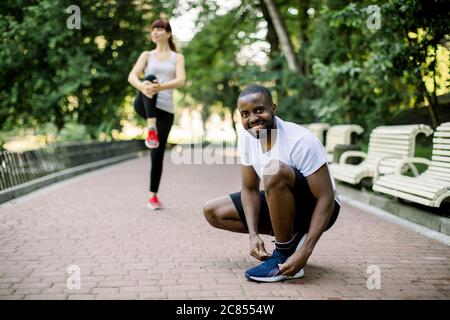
{"points": [[172, 44]]}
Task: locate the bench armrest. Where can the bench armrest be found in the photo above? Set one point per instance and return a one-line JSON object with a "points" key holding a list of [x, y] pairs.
{"points": [[378, 163], [351, 153], [410, 161]]}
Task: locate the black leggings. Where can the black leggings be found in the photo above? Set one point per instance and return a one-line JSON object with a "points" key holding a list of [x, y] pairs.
{"points": [[144, 105], [164, 121]]}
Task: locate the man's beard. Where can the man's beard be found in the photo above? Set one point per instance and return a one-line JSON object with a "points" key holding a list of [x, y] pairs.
{"points": [[264, 132]]}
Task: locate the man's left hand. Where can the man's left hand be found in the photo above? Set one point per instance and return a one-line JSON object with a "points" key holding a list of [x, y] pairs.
{"points": [[294, 263]]}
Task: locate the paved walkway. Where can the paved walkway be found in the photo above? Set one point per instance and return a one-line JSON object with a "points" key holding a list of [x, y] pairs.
{"points": [[99, 222]]}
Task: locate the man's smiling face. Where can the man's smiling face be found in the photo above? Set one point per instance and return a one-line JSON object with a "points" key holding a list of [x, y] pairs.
{"points": [[256, 113]]}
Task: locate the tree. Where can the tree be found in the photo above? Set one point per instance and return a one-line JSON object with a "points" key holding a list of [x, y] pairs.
{"points": [[282, 34], [213, 70], [50, 73], [368, 76]]}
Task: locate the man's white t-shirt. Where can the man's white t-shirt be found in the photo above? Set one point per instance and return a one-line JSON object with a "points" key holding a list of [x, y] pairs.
{"points": [[295, 145]]}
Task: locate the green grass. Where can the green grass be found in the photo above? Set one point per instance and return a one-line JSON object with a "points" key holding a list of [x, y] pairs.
{"points": [[423, 151]]}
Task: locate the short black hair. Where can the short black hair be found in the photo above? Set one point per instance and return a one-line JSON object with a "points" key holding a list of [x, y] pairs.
{"points": [[254, 88]]}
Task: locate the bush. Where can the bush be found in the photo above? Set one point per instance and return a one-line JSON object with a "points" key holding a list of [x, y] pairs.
{"points": [[73, 132]]}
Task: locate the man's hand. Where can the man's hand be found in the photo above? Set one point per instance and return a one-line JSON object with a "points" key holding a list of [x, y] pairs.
{"points": [[257, 248], [294, 263]]}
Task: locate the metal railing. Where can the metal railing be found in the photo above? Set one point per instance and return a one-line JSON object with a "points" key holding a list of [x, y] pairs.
{"points": [[20, 167]]}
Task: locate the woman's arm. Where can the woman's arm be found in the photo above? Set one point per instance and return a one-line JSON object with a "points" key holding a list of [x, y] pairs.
{"points": [[133, 77]]}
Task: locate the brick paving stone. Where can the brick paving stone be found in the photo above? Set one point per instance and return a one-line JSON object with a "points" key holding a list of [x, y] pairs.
{"points": [[230, 293], [81, 297], [117, 296], [99, 221], [104, 290], [46, 297], [153, 295], [203, 295], [178, 295]]}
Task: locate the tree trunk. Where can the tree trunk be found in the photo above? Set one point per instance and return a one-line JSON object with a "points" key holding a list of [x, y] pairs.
{"points": [[431, 104], [303, 35], [433, 115], [434, 102], [280, 28], [274, 41], [271, 36]]}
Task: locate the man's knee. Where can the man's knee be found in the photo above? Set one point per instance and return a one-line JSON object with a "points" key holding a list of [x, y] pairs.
{"points": [[275, 174], [210, 212]]}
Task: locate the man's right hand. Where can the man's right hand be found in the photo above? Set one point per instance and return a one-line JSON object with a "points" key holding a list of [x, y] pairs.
{"points": [[257, 248]]}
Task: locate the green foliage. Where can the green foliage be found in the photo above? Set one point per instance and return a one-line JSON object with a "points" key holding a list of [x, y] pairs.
{"points": [[213, 70], [368, 76], [73, 132], [349, 73], [49, 73]]}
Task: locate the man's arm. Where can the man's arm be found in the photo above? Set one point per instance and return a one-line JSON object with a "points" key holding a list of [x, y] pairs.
{"points": [[322, 189], [251, 204]]}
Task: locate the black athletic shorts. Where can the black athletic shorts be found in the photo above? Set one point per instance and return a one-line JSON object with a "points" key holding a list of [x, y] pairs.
{"points": [[304, 206]]}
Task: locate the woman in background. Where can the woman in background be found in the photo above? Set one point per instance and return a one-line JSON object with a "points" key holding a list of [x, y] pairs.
{"points": [[164, 71]]}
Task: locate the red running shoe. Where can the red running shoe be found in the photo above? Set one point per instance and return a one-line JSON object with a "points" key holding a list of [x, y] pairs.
{"points": [[154, 204], [152, 140]]}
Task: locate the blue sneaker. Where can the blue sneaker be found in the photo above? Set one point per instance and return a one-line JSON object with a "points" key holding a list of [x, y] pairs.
{"points": [[268, 271]]}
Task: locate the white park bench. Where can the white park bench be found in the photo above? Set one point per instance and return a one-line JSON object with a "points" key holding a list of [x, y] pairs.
{"points": [[318, 129], [432, 186], [388, 145], [340, 134]]}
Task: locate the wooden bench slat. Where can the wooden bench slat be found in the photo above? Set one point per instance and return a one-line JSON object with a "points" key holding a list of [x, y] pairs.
{"points": [[441, 140], [440, 152], [408, 188], [430, 186], [425, 184], [440, 164], [442, 134], [385, 141], [403, 195]]}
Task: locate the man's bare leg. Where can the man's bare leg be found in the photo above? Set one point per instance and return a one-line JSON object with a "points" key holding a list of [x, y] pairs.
{"points": [[280, 200], [222, 214]]}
